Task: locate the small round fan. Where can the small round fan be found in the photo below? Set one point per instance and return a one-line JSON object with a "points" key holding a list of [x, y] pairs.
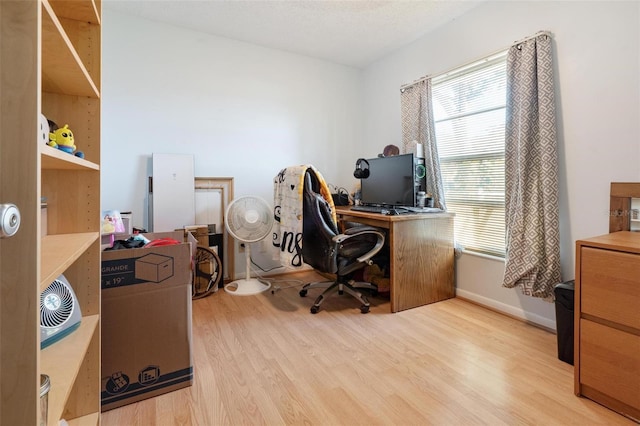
{"points": [[56, 305], [59, 311], [248, 219]]}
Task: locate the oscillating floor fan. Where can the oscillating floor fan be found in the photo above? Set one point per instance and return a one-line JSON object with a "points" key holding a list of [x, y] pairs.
{"points": [[248, 219]]}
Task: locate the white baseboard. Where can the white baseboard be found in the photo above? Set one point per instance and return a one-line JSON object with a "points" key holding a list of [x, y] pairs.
{"points": [[507, 309]]}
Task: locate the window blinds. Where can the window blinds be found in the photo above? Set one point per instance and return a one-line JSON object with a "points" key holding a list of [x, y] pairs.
{"points": [[469, 114]]}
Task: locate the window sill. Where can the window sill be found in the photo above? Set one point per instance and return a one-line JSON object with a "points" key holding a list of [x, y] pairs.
{"points": [[484, 256]]}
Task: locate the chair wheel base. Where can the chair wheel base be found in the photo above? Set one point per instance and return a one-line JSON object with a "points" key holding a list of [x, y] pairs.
{"points": [[340, 288]]}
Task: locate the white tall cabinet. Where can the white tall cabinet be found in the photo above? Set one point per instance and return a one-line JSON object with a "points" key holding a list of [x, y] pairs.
{"points": [[172, 192], [50, 60]]}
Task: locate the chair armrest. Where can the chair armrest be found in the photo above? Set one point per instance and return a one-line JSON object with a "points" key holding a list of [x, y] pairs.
{"points": [[362, 230], [359, 229]]}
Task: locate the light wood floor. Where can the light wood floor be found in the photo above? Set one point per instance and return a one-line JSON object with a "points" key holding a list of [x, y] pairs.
{"points": [[265, 360]]}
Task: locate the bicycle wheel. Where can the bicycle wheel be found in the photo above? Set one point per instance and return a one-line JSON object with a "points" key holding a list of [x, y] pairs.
{"points": [[206, 273]]}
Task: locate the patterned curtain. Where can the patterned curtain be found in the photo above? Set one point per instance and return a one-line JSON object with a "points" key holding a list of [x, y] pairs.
{"points": [[417, 125], [531, 171]]}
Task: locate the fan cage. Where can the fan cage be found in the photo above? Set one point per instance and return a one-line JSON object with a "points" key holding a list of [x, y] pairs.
{"points": [[249, 219], [58, 294]]}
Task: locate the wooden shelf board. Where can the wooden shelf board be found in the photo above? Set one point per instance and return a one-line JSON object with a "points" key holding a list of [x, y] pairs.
{"points": [[53, 158], [62, 69], [92, 419], [58, 252], [61, 362], [85, 10]]}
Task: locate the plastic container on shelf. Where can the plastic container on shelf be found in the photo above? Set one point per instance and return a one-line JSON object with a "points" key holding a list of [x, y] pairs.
{"points": [[45, 385]]}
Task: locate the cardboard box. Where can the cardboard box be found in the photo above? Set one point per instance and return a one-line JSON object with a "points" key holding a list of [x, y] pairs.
{"points": [[146, 321], [200, 232]]}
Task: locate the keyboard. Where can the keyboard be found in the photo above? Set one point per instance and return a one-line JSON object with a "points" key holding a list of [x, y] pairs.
{"points": [[369, 209], [381, 209], [400, 210]]}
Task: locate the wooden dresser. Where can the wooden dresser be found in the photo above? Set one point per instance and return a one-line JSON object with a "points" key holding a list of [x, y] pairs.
{"points": [[607, 321]]}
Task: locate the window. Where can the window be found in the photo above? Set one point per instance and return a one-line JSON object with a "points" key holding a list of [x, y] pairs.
{"points": [[469, 113]]}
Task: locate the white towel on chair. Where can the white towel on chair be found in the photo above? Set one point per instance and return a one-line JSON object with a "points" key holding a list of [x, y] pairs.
{"points": [[288, 188]]}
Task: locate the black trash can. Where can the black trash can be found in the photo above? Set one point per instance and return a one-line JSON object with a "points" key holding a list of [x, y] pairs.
{"points": [[564, 293]]}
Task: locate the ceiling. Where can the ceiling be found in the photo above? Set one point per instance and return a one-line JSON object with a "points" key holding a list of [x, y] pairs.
{"points": [[350, 32]]}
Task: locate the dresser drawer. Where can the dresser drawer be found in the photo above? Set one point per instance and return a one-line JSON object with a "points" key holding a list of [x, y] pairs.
{"points": [[610, 285], [610, 362]]}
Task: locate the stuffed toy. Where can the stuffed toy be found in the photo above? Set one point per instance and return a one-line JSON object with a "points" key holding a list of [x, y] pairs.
{"points": [[62, 138]]}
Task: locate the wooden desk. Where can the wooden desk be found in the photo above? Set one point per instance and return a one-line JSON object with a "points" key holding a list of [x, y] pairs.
{"points": [[421, 269]]}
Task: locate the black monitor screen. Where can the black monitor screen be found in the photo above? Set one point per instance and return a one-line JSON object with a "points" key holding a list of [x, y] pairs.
{"points": [[390, 181]]}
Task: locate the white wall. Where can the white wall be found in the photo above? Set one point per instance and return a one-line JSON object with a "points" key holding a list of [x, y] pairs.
{"points": [[597, 57], [243, 111]]}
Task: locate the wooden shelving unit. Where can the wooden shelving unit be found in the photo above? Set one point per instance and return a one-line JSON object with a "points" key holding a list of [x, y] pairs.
{"points": [[50, 61]]}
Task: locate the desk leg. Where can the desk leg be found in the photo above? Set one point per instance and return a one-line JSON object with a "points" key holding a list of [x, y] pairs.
{"points": [[422, 262]]}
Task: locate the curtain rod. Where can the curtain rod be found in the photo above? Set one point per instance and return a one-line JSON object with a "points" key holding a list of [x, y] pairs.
{"points": [[497, 52]]}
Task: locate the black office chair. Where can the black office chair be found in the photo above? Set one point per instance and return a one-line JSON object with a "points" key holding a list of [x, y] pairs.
{"points": [[329, 251]]}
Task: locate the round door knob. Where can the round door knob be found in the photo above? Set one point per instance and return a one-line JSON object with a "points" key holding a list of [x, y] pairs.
{"points": [[9, 220]]}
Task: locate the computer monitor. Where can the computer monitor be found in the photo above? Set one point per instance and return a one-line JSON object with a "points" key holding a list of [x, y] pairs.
{"points": [[391, 182]]}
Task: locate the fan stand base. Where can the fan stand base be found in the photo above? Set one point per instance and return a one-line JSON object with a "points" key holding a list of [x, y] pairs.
{"points": [[246, 287]]}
